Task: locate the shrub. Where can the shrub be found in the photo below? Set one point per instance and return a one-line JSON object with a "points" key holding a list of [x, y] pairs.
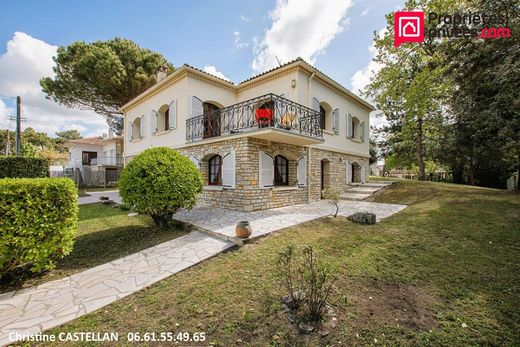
{"points": [[308, 281], [38, 223], [23, 167], [158, 182]]}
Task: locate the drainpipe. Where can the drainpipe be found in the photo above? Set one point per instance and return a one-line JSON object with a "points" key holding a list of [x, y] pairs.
{"points": [[309, 103]]}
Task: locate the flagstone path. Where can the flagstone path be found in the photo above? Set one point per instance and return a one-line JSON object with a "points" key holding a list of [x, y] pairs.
{"points": [[50, 304]]}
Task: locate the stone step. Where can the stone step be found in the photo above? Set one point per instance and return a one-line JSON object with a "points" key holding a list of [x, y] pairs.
{"points": [[354, 196], [362, 189]]}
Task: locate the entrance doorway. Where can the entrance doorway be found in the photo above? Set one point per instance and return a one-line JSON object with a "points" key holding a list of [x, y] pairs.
{"points": [[325, 175]]}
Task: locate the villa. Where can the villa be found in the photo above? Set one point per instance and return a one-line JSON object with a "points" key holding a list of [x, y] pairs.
{"points": [[279, 138]]}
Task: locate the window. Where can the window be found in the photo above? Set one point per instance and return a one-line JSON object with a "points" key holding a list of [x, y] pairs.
{"points": [[323, 114], [215, 171], [86, 157], [281, 171]]}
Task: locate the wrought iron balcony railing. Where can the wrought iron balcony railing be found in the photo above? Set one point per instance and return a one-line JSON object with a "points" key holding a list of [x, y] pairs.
{"points": [[266, 111]]}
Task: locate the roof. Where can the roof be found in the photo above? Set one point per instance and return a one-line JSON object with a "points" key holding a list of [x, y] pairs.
{"points": [[296, 62], [97, 140]]}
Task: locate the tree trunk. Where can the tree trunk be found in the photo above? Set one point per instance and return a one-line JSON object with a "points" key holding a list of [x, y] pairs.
{"points": [[518, 174], [419, 150]]}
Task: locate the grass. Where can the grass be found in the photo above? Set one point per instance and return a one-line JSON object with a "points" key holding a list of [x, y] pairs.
{"points": [[104, 233], [444, 271]]}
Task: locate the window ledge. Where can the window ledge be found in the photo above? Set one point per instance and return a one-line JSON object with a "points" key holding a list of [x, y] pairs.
{"points": [[136, 140], [329, 132], [162, 132], [356, 140], [213, 188], [285, 188]]}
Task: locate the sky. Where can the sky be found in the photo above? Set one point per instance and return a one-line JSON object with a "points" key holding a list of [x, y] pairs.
{"points": [[233, 39]]}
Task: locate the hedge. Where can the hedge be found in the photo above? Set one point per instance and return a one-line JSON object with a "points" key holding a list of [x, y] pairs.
{"points": [[38, 222], [23, 167]]}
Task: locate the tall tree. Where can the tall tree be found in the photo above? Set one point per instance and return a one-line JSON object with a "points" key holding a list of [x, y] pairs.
{"points": [[485, 133], [409, 90], [102, 76], [72, 134]]}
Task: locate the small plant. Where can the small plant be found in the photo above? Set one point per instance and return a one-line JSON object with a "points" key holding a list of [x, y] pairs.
{"points": [[318, 279], [307, 280], [333, 194]]}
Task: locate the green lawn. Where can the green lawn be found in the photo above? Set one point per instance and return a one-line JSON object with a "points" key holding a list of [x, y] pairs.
{"points": [[444, 271], [104, 233]]}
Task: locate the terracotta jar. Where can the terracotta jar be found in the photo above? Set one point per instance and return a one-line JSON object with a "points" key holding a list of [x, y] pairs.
{"points": [[243, 229]]}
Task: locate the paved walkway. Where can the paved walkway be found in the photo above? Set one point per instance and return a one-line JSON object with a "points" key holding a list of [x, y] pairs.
{"points": [[33, 310], [94, 197], [221, 222]]}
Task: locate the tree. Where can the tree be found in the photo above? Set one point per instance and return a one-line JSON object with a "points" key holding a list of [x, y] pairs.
{"points": [[72, 134], [28, 150], [158, 182], [485, 135], [102, 76], [409, 90]]}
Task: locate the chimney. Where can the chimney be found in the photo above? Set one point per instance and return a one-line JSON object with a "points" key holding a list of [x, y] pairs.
{"points": [[105, 136], [110, 133], [161, 73]]}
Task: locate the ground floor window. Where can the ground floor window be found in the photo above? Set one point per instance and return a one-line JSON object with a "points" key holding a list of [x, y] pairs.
{"points": [[281, 171], [215, 170]]}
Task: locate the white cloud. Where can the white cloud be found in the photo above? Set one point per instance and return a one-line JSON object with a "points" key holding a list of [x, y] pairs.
{"points": [[238, 43], [361, 78], [365, 11], [211, 69], [25, 61], [244, 18], [301, 28]]}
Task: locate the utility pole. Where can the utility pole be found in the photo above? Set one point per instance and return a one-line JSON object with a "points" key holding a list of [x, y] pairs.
{"points": [[8, 144], [18, 125]]}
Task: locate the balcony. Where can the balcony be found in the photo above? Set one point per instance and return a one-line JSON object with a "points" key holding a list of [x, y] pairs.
{"points": [[107, 161], [269, 117]]}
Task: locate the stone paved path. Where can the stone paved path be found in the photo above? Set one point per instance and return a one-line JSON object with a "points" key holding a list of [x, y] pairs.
{"points": [[33, 310], [94, 197], [221, 222]]}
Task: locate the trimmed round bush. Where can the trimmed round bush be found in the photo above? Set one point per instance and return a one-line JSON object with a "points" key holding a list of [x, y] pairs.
{"points": [[38, 222], [158, 182]]}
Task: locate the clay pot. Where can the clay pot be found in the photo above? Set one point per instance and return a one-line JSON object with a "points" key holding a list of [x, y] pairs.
{"points": [[243, 229]]}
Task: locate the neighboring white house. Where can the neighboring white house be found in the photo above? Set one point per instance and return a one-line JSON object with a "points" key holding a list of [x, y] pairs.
{"points": [[96, 160], [279, 138]]}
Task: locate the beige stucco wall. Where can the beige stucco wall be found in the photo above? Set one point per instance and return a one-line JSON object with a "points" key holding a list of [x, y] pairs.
{"points": [[225, 95]]}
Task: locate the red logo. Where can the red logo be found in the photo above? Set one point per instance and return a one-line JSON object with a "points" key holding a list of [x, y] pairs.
{"points": [[408, 27]]}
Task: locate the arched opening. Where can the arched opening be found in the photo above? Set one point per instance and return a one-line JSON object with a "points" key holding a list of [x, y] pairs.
{"points": [[325, 174], [281, 171], [355, 128], [215, 170], [136, 128], [326, 116], [356, 173], [211, 113], [163, 118]]}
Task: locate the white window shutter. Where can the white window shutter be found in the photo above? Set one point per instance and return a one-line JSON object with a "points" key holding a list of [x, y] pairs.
{"points": [[154, 116], [363, 172], [172, 120], [196, 108], [130, 130], [142, 126], [195, 161], [228, 170], [266, 170], [349, 172], [362, 131], [301, 171], [336, 121], [315, 104], [349, 125]]}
